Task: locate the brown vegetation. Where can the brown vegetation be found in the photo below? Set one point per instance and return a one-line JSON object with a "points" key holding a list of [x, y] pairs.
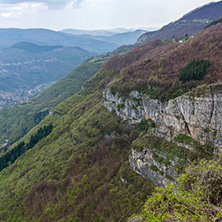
{"points": [[158, 65]]}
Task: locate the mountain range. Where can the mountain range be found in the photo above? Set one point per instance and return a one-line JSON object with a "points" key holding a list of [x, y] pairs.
{"points": [[125, 37], [93, 44], [94, 145], [100, 32]]}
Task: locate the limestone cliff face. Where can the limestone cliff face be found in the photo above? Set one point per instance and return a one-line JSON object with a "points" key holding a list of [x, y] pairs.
{"points": [[199, 117], [146, 165]]}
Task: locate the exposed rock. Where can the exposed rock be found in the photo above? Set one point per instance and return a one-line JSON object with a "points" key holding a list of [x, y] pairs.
{"points": [[146, 165], [199, 117], [128, 109]]}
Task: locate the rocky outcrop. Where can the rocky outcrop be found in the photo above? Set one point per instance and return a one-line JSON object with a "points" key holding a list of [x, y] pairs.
{"points": [[146, 164], [198, 117]]}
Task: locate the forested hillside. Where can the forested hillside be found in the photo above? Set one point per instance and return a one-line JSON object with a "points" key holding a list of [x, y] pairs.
{"points": [[154, 67], [81, 170]]}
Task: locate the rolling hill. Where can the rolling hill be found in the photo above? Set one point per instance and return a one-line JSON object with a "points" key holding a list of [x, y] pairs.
{"points": [[17, 120]]}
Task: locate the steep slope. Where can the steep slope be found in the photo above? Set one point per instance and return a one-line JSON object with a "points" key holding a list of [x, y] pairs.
{"points": [[189, 24], [149, 92], [80, 171], [48, 37]]}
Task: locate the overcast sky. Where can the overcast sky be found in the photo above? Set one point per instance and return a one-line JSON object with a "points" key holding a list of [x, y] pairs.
{"points": [[92, 14]]}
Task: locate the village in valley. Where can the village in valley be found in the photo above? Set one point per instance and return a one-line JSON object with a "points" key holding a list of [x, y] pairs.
{"points": [[8, 99]]}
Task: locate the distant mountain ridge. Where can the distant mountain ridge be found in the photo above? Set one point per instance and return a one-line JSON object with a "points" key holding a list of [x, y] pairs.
{"points": [[89, 32], [190, 23], [120, 37], [126, 38], [30, 47], [48, 37]]}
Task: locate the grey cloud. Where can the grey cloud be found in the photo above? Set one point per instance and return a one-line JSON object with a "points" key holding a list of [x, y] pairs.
{"points": [[51, 3]]}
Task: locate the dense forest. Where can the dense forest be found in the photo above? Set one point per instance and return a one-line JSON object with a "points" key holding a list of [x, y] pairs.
{"points": [[11, 156], [195, 70]]}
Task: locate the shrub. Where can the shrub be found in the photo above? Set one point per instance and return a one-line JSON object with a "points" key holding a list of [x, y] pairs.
{"points": [[204, 179], [146, 124], [120, 106], [195, 70], [183, 138], [206, 130], [197, 197], [147, 61], [154, 168]]}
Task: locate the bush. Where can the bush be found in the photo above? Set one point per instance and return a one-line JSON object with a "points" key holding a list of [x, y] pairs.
{"points": [[204, 179], [146, 124], [183, 138], [195, 70], [120, 106], [197, 197]]}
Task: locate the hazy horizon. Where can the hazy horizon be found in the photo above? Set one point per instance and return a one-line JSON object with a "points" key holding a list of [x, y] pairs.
{"points": [[115, 29], [92, 14]]}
